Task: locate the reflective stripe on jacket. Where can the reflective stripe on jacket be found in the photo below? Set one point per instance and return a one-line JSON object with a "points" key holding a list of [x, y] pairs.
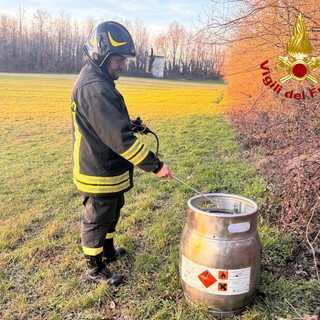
{"points": [[104, 147]]}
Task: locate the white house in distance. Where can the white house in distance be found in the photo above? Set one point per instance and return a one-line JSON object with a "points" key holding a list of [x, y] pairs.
{"points": [[157, 69]]}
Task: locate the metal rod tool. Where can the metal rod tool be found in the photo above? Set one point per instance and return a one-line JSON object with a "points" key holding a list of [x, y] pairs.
{"points": [[198, 192]]}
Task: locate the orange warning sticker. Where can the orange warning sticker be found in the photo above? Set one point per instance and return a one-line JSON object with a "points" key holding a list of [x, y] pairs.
{"points": [[223, 275], [222, 286], [207, 278]]}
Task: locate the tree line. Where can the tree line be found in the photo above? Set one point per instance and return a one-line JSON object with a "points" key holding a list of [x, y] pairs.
{"points": [[53, 44]]}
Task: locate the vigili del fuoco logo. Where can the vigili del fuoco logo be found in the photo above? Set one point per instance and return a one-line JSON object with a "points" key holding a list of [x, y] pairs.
{"points": [[297, 68]]}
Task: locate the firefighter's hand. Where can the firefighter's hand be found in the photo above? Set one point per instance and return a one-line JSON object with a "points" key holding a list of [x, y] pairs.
{"points": [[165, 172]]}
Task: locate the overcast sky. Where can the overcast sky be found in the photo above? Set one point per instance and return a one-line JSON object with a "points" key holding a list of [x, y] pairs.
{"points": [[155, 14]]}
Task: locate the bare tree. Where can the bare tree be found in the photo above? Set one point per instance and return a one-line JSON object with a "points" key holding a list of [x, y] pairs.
{"points": [[40, 25], [175, 37], [4, 42], [21, 39], [142, 44]]}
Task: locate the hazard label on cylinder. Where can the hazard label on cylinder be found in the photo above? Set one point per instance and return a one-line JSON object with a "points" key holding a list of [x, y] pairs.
{"points": [[207, 278], [216, 281]]}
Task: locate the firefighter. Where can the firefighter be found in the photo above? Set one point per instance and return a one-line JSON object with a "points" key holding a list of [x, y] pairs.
{"points": [[105, 149]]}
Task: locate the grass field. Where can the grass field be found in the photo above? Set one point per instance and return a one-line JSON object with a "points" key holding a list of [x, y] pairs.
{"points": [[41, 263]]}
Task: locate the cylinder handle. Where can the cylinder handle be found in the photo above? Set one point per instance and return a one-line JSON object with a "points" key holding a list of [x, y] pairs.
{"points": [[239, 227]]}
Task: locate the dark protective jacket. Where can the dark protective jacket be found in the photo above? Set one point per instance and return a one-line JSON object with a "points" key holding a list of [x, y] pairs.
{"points": [[105, 150]]}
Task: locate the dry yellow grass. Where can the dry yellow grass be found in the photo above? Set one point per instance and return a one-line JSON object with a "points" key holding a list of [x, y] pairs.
{"points": [[46, 97], [169, 99]]}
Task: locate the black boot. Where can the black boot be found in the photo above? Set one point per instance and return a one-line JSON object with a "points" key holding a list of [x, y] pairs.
{"points": [[98, 272], [111, 253]]}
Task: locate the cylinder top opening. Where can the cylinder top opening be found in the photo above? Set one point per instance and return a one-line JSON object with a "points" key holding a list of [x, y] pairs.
{"points": [[222, 204]]}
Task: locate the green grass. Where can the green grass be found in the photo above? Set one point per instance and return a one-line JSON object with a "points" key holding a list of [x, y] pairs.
{"points": [[41, 263]]}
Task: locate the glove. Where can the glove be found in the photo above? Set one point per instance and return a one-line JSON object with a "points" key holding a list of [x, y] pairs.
{"points": [[139, 127]]}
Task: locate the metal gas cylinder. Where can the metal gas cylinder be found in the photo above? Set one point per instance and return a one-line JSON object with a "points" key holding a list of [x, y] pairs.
{"points": [[220, 253]]}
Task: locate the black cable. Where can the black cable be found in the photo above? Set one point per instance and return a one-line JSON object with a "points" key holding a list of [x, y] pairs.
{"points": [[157, 139]]}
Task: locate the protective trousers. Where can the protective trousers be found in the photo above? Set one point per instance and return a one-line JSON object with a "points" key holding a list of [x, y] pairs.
{"points": [[101, 215]]}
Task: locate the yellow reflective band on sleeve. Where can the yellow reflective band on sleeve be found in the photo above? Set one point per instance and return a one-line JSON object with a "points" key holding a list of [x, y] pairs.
{"points": [[110, 235], [132, 150], [140, 156], [92, 251], [136, 153]]}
